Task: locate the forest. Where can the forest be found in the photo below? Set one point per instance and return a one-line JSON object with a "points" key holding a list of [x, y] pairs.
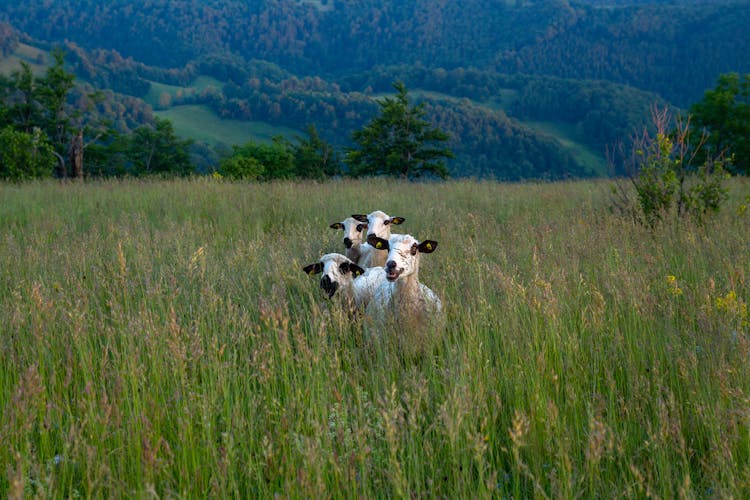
{"points": [[674, 49], [487, 75]]}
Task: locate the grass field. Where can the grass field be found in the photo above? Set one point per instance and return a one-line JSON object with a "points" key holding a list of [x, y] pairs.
{"points": [[159, 338], [28, 54], [202, 124]]}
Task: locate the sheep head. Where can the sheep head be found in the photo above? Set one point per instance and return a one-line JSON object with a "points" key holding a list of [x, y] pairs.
{"points": [[403, 253], [338, 271], [378, 223], [353, 229]]}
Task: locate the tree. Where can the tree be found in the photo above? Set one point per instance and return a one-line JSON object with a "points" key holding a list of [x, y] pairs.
{"points": [[157, 150], [399, 142], [241, 167], [24, 156], [24, 109], [52, 94], [724, 114], [260, 161], [42, 103], [314, 158]]}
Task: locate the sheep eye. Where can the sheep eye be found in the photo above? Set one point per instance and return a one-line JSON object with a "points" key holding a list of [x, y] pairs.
{"points": [[359, 228], [386, 222], [414, 249]]}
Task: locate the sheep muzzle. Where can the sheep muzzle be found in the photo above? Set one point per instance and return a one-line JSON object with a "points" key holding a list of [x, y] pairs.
{"points": [[328, 286], [392, 272]]}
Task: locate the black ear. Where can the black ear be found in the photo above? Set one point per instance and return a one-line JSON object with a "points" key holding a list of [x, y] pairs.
{"points": [[379, 243], [356, 270], [346, 267], [336, 225], [313, 268], [397, 220], [360, 217], [427, 246]]}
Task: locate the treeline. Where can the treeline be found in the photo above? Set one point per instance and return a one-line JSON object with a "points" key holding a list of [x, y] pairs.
{"points": [[488, 141], [49, 126], [674, 49]]}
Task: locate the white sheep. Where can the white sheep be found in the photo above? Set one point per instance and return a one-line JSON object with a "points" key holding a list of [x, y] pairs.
{"points": [[353, 238], [355, 284], [379, 225], [402, 296]]}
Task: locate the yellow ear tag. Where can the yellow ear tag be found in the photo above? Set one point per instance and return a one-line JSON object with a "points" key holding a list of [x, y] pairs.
{"points": [[379, 245], [429, 246]]}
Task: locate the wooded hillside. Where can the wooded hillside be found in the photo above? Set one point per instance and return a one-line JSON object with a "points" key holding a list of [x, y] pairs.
{"points": [[532, 89]]}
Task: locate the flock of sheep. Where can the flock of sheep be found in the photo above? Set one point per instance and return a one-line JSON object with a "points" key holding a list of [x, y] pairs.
{"points": [[380, 272]]}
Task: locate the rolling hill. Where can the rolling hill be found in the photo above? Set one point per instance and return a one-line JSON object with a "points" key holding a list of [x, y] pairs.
{"points": [[526, 89]]}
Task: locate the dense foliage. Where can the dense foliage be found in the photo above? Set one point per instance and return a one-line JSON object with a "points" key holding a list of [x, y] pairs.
{"points": [[25, 155], [267, 61], [49, 127], [675, 49], [724, 114]]}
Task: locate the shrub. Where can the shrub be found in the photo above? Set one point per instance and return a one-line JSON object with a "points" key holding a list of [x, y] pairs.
{"points": [[666, 176]]}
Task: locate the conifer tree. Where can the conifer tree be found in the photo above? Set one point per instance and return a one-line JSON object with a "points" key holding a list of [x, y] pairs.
{"points": [[399, 142]]}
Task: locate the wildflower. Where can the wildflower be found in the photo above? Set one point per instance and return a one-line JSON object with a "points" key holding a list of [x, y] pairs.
{"points": [[672, 285], [743, 206], [733, 307]]}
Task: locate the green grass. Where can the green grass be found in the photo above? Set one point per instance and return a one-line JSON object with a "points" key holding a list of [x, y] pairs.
{"points": [[571, 140], [157, 90], [160, 338], [28, 54], [202, 124]]}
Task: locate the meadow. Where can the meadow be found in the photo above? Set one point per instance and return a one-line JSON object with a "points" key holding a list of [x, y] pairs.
{"points": [[159, 338]]}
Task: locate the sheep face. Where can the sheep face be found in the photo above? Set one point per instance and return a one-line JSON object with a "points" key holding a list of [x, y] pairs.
{"points": [[338, 271], [403, 254], [378, 223], [353, 231]]}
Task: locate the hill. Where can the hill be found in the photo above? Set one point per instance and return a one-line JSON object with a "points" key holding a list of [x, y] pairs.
{"points": [[526, 89], [674, 49]]}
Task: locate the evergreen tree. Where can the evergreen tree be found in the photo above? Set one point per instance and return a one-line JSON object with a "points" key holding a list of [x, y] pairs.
{"points": [[399, 142]]}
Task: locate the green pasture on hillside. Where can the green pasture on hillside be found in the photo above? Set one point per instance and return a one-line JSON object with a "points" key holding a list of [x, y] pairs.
{"points": [[159, 338], [202, 124], [26, 53], [157, 90], [571, 140]]}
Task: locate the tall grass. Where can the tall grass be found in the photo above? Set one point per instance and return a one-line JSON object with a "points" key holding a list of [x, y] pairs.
{"points": [[161, 338]]}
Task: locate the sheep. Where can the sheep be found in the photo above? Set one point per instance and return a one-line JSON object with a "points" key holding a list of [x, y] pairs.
{"points": [[402, 294], [354, 283], [379, 225], [352, 238]]}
